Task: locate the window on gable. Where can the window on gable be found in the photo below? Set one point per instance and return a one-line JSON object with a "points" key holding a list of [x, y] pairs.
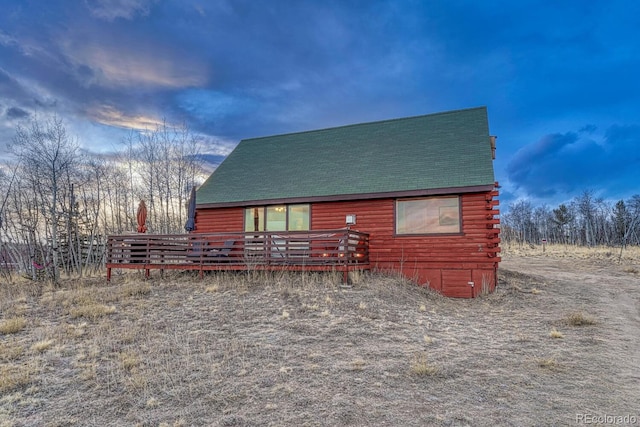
{"points": [[433, 215], [277, 218]]}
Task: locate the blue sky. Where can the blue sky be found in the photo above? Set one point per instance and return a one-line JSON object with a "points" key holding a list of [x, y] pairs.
{"points": [[561, 79]]}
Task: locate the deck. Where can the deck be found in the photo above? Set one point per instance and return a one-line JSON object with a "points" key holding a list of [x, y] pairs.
{"points": [[319, 250]]}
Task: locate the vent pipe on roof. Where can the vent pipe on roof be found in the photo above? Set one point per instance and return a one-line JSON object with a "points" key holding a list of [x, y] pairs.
{"points": [[492, 139]]}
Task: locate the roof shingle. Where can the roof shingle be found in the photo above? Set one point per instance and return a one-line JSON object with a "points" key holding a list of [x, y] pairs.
{"points": [[435, 151]]}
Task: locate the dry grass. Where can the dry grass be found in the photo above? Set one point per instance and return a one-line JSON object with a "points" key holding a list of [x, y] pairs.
{"points": [[549, 363], [16, 376], [421, 366], [556, 333], [135, 289], [129, 360], [580, 319], [10, 351], [12, 325], [631, 254], [358, 364], [91, 311], [301, 349], [42, 346], [212, 288]]}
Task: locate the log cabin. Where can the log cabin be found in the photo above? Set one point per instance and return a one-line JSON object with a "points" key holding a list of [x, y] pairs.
{"points": [[422, 188]]}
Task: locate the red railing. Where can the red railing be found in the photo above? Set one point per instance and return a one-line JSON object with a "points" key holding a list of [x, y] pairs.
{"points": [[211, 251]]}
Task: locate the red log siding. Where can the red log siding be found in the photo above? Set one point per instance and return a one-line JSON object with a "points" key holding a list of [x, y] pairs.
{"points": [[219, 220], [446, 263]]}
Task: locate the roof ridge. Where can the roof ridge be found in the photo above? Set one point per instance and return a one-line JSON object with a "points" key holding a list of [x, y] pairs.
{"points": [[366, 123]]}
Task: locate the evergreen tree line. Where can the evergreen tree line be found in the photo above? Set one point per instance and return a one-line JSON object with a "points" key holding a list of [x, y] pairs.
{"points": [[58, 203], [585, 221]]}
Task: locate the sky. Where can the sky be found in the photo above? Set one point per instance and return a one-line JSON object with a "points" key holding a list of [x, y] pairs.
{"points": [[560, 79]]}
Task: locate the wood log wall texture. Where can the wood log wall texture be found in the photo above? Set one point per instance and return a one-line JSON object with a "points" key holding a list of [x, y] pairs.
{"points": [[460, 265]]}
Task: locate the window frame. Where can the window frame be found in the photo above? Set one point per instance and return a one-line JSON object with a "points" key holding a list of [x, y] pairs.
{"points": [[431, 234], [264, 209], [262, 216]]}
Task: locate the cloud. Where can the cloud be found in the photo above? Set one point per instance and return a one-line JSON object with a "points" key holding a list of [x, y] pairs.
{"points": [[111, 116], [110, 10], [210, 105], [622, 149], [25, 94], [566, 164], [116, 66], [16, 113], [527, 163], [8, 85]]}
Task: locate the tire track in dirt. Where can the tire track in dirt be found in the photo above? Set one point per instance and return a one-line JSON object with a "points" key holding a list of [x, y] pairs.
{"points": [[612, 295]]}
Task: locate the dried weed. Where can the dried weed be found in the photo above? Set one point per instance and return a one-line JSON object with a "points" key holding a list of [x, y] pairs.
{"points": [[421, 366], [91, 311], [556, 333], [10, 351], [549, 363], [13, 377], [580, 319], [42, 346], [12, 325]]}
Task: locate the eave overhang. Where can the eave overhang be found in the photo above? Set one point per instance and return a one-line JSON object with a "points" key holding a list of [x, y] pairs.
{"points": [[349, 197]]}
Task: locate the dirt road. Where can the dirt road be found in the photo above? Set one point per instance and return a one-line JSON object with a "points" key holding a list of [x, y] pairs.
{"points": [[605, 362]]}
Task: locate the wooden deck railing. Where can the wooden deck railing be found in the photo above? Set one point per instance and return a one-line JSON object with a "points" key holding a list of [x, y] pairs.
{"points": [[314, 250]]}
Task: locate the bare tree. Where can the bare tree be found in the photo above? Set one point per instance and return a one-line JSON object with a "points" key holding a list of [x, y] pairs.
{"points": [[586, 208], [58, 204], [169, 165], [631, 232], [519, 219], [47, 154]]}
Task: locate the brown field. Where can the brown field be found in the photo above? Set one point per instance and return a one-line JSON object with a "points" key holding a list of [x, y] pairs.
{"points": [[558, 338]]}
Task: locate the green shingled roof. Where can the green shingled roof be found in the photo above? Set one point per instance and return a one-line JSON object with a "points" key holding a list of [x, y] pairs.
{"points": [[435, 151]]}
